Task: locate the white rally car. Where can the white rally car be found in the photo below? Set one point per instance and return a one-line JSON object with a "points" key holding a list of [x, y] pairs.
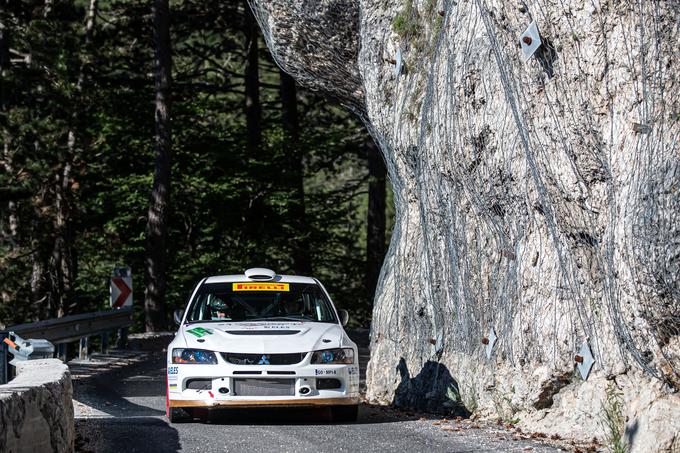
{"points": [[261, 339]]}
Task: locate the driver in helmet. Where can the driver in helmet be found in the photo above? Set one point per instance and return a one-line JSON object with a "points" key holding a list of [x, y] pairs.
{"points": [[219, 310]]}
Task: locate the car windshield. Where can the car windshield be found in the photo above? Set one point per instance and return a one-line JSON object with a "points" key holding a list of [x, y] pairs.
{"points": [[261, 301]]}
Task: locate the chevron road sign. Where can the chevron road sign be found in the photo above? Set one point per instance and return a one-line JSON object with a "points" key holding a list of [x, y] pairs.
{"points": [[121, 287]]}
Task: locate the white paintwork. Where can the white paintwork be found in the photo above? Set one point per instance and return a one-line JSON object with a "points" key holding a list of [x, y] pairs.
{"points": [[312, 336], [255, 272], [243, 278]]}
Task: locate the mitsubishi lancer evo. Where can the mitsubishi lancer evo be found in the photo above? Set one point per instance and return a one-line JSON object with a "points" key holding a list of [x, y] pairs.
{"points": [[261, 339]]}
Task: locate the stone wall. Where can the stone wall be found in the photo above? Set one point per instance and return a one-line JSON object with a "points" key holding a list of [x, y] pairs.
{"points": [[36, 409], [537, 198]]}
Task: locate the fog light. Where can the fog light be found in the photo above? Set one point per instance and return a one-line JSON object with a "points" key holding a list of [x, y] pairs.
{"points": [[304, 390], [223, 390]]}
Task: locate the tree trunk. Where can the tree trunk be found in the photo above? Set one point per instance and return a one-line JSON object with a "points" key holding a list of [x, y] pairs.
{"points": [[13, 220], [253, 109], [37, 281], [157, 221], [64, 256], [254, 204], [375, 235], [4, 66], [12, 235], [39, 293], [62, 268], [302, 263]]}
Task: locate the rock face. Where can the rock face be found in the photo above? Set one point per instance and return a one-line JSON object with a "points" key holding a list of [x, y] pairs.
{"points": [[36, 409], [540, 199]]}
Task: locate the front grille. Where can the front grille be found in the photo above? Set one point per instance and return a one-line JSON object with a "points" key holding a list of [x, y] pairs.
{"points": [[264, 387], [264, 359]]}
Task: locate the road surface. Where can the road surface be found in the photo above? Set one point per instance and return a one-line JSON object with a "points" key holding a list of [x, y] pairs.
{"points": [[123, 410]]}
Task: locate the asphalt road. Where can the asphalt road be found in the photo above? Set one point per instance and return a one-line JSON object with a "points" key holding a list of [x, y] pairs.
{"points": [[123, 410]]}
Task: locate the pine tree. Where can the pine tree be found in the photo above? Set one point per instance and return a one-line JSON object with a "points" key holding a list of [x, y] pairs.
{"points": [[159, 206]]}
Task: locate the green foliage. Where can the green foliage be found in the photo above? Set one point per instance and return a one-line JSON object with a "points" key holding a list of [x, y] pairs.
{"points": [[405, 25], [438, 22], [430, 6], [467, 398], [213, 179], [471, 398], [406, 22], [613, 420], [453, 394]]}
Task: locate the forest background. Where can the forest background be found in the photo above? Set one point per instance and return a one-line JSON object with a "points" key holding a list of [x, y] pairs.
{"points": [[162, 136]]}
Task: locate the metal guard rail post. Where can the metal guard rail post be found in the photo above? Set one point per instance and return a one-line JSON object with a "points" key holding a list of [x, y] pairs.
{"points": [[68, 329]]}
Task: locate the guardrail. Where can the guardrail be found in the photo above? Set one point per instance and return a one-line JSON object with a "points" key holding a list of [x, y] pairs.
{"points": [[61, 331]]}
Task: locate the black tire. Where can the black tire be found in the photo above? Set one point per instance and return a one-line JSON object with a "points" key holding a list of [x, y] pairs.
{"points": [[345, 414], [205, 415], [176, 415]]}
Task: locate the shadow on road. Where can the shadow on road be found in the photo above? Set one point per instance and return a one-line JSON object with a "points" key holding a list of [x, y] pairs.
{"points": [[124, 391], [368, 414], [130, 434]]}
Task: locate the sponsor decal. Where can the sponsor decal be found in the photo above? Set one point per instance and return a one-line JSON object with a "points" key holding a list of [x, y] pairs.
{"points": [[200, 332], [262, 326], [353, 370], [260, 287], [325, 372], [172, 386], [173, 370], [354, 383]]}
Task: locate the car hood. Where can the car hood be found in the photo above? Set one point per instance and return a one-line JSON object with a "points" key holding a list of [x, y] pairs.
{"points": [[264, 336]]}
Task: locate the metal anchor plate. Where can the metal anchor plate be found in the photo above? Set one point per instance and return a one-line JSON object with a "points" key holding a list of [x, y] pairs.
{"points": [[491, 342], [585, 360]]}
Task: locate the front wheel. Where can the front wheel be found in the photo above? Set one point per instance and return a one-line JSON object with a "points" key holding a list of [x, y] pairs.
{"points": [[345, 413]]}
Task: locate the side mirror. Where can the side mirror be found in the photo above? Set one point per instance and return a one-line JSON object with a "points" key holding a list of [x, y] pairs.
{"points": [[178, 316], [344, 317]]}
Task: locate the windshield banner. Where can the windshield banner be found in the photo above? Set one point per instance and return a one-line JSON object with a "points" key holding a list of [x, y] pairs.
{"points": [[260, 287]]}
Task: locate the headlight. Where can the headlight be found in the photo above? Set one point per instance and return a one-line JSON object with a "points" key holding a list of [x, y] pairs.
{"points": [[333, 356], [180, 355]]}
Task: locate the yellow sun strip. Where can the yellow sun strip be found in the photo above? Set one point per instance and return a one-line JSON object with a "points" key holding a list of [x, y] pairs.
{"points": [[260, 287]]}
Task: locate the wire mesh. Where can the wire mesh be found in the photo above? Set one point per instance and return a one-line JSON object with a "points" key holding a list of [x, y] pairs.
{"points": [[540, 199]]}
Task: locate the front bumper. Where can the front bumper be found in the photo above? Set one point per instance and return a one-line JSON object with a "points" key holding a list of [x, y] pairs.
{"points": [[246, 403], [305, 383]]}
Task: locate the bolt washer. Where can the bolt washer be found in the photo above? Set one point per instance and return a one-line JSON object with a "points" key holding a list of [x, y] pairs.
{"points": [[492, 341], [585, 364], [531, 45], [399, 66]]}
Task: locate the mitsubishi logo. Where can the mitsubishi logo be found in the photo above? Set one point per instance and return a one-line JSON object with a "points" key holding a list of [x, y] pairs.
{"points": [[264, 360]]}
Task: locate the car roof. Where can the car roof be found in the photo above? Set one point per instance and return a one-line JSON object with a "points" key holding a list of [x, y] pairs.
{"points": [[243, 278]]}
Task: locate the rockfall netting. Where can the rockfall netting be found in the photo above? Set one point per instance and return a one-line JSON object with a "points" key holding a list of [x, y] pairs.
{"points": [[321, 38], [537, 198]]}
